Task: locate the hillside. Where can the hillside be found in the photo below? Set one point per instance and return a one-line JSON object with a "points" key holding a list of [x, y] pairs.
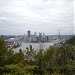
{"points": [[71, 41]]}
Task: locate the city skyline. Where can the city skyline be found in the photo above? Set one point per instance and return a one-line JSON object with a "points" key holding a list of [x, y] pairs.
{"points": [[47, 16]]}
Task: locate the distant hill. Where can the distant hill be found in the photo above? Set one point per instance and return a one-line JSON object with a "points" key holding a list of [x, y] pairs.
{"points": [[8, 36], [71, 41]]}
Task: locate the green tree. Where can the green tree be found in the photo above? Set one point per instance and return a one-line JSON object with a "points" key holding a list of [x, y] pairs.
{"points": [[30, 54], [65, 55], [4, 49], [49, 57], [9, 58], [39, 69], [19, 57], [49, 60]]}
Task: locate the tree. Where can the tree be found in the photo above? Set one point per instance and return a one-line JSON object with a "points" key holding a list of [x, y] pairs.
{"points": [[49, 60], [39, 69], [65, 55], [30, 54], [3, 52], [9, 58], [19, 57], [49, 57]]}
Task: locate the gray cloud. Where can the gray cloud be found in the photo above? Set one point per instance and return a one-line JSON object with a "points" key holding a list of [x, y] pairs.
{"points": [[36, 15]]}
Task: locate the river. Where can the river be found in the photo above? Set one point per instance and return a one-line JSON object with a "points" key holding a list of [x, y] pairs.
{"points": [[35, 46]]}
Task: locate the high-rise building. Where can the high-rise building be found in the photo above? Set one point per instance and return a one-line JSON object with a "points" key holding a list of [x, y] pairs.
{"points": [[40, 36], [43, 34], [47, 38], [29, 33]]}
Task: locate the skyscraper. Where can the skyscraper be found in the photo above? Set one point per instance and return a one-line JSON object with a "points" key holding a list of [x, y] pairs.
{"points": [[40, 36], [29, 33]]}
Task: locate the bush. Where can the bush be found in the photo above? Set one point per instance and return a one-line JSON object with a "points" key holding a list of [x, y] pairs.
{"points": [[67, 70]]}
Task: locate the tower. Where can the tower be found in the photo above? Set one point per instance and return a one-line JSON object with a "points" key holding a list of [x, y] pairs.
{"points": [[29, 33]]}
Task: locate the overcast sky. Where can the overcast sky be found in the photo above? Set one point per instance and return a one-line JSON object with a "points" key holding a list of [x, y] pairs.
{"points": [[48, 16]]}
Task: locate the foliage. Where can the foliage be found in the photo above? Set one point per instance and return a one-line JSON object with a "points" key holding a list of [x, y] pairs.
{"points": [[56, 60], [30, 55], [16, 69], [5, 53], [71, 41], [18, 57], [49, 57], [65, 55]]}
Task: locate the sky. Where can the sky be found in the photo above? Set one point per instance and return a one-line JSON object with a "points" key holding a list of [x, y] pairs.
{"points": [[47, 16]]}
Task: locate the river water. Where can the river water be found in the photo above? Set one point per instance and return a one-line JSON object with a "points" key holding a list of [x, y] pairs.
{"points": [[35, 46]]}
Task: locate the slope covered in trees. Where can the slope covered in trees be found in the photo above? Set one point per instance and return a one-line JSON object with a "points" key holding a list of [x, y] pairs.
{"points": [[56, 60], [71, 41]]}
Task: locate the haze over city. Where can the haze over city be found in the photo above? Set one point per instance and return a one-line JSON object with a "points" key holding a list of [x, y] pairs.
{"points": [[47, 16]]}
